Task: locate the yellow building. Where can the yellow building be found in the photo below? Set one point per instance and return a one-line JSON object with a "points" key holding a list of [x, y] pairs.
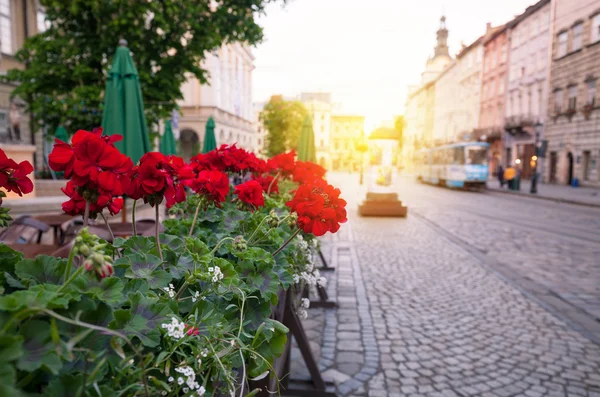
{"points": [[346, 133]]}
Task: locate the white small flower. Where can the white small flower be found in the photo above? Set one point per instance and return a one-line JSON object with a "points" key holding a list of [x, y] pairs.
{"points": [[163, 393], [305, 303], [201, 391], [302, 313], [171, 379], [232, 342], [176, 329], [204, 353], [185, 389], [195, 296], [170, 290], [180, 381]]}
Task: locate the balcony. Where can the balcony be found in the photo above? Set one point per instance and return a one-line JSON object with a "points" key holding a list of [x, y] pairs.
{"points": [[487, 133], [519, 123]]}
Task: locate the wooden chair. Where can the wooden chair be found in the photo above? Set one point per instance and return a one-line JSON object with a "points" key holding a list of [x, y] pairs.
{"points": [[24, 230]]}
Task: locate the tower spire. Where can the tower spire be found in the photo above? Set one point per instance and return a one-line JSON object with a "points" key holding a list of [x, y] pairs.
{"points": [[442, 39]]}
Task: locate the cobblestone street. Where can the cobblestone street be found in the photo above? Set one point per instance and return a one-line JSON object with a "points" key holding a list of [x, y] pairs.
{"points": [[474, 294]]}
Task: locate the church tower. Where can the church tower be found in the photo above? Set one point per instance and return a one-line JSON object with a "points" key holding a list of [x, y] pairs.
{"points": [[442, 39]]}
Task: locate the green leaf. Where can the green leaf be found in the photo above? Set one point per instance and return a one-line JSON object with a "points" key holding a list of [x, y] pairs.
{"points": [[135, 244], [8, 258], [109, 289], [11, 347], [42, 269], [145, 267], [38, 349], [39, 296], [143, 319], [174, 243], [65, 386]]}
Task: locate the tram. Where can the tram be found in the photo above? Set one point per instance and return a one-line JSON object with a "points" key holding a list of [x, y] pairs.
{"points": [[463, 164]]}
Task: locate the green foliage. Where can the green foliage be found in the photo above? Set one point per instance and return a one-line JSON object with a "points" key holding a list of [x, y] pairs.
{"points": [[283, 121], [66, 65], [64, 331]]}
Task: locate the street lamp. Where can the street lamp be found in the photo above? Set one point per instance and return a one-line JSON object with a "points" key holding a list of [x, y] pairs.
{"points": [[534, 159]]}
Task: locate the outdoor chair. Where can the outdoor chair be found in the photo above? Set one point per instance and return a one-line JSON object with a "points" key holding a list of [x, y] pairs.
{"points": [[24, 230]]}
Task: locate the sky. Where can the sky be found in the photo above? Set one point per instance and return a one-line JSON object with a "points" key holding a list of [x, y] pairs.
{"points": [[365, 52]]}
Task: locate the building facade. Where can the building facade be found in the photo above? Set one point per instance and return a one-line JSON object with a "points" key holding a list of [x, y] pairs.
{"points": [[227, 99], [421, 100], [320, 108], [18, 21], [527, 87], [346, 134], [446, 117], [573, 126], [493, 94], [468, 100]]}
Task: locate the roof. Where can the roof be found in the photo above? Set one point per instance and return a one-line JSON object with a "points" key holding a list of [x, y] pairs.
{"points": [[530, 10], [497, 31]]}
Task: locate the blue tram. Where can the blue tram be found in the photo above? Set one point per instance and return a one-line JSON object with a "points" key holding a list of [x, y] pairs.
{"points": [[458, 165]]}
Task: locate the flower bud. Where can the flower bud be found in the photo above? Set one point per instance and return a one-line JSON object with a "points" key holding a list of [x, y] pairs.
{"points": [[239, 244]]}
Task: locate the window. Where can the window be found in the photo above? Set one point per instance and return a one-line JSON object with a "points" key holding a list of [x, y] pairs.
{"points": [[503, 53], [577, 33], [558, 99], [501, 84], [596, 28], [542, 59], [572, 97], [3, 123], [591, 92], [562, 44], [5, 27]]}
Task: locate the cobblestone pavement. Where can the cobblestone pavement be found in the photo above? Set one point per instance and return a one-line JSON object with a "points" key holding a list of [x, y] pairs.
{"points": [[583, 195], [422, 313]]}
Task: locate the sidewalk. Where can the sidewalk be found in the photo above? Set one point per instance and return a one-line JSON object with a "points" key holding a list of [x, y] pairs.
{"points": [[562, 193]]}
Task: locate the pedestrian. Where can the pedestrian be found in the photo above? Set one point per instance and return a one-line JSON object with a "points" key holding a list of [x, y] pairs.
{"points": [[500, 174], [509, 176]]}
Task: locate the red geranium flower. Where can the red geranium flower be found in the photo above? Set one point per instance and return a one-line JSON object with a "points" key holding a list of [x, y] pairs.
{"points": [[214, 185], [283, 163], [319, 207], [13, 176], [62, 158], [307, 172], [251, 192], [267, 182]]}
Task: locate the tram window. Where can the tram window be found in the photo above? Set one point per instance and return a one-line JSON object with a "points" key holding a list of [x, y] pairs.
{"points": [[459, 156], [477, 155]]}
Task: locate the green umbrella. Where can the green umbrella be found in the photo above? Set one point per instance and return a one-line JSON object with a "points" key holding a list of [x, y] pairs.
{"points": [[61, 134], [124, 107], [210, 142], [167, 143], [306, 143]]}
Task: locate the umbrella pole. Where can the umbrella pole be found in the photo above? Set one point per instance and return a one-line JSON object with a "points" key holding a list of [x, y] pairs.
{"points": [[124, 211]]}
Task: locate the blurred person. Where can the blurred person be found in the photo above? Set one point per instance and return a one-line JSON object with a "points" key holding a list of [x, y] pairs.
{"points": [[500, 175], [510, 177]]}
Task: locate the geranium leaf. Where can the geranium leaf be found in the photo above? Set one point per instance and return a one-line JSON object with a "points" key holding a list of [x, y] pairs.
{"points": [[8, 258], [65, 386], [109, 290], [174, 243], [135, 244], [38, 349], [143, 319], [13, 282], [11, 347], [42, 269], [39, 296]]}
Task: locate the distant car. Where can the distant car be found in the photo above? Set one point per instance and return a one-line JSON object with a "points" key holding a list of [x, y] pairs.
{"points": [[458, 165]]}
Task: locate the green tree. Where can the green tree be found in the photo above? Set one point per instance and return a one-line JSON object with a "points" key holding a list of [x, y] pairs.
{"points": [[66, 66], [283, 122], [399, 124]]}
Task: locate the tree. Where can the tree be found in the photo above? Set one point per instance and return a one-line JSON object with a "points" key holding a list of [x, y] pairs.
{"points": [[399, 124], [283, 122], [66, 66]]}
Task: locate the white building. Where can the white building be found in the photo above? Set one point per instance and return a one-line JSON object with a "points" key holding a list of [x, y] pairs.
{"points": [[468, 99], [320, 108], [447, 121], [528, 86], [227, 98], [258, 141]]}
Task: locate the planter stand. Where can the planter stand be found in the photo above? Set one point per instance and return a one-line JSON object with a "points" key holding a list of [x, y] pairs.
{"points": [[315, 386], [323, 297], [325, 267]]}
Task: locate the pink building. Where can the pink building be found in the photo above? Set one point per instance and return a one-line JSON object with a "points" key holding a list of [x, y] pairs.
{"points": [[493, 93]]}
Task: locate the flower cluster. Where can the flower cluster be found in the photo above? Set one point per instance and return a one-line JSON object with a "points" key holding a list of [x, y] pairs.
{"points": [[13, 175], [311, 278], [190, 380], [176, 329], [212, 185], [97, 169], [229, 159], [170, 290], [250, 193], [93, 251], [158, 176], [215, 272], [319, 207]]}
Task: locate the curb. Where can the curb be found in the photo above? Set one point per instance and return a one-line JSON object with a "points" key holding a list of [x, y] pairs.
{"points": [[555, 199]]}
